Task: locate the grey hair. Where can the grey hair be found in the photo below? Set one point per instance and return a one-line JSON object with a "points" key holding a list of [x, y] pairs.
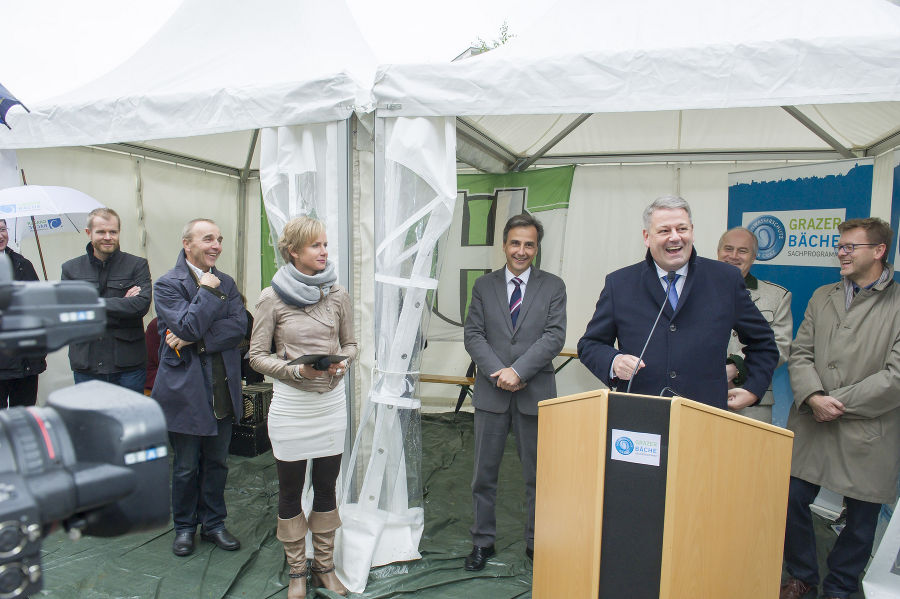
{"points": [[745, 230], [187, 233], [669, 202]]}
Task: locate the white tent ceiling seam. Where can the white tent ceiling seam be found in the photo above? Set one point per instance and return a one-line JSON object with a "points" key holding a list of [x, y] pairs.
{"points": [[808, 79]]}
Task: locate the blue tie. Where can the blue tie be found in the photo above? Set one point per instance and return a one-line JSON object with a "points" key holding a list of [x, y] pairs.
{"points": [[673, 291], [515, 300]]}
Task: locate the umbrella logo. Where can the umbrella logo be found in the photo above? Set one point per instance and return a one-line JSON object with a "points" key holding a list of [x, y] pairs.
{"points": [[54, 223], [7, 208]]}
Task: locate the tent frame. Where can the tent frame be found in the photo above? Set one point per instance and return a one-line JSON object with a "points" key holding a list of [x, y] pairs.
{"points": [[469, 134]]}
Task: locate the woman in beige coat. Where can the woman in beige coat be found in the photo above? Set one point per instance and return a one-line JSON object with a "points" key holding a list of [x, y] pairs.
{"points": [[305, 312]]}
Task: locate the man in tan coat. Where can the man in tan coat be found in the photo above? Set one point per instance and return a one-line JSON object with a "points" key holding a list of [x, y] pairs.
{"points": [[738, 247], [845, 373]]}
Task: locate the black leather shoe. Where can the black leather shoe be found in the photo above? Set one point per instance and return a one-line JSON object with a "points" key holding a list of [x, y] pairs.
{"points": [[183, 544], [529, 553], [479, 557], [223, 539]]}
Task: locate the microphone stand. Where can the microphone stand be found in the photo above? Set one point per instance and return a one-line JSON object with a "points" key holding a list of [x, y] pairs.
{"points": [[670, 279]]}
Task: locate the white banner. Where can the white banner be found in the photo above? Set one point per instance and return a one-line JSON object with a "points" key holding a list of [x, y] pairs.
{"points": [[638, 448], [796, 237]]}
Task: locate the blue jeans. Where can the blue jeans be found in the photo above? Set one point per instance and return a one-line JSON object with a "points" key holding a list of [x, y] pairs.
{"points": [[130, 379], [199, 470], [850, 553]]}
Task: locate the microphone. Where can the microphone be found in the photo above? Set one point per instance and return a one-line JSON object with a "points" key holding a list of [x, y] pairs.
{"points": [[670, 278]]}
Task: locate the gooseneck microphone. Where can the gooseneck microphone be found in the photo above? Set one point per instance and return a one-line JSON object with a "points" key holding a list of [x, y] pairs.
{"points": [[670, 279]]}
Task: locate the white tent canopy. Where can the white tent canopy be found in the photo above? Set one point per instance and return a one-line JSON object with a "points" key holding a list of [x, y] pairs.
{"points": [[595, 82], [215, 66], [655, 80]]}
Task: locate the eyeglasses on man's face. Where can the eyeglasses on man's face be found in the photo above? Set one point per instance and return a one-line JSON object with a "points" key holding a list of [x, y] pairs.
{"points": [[849, 248]]}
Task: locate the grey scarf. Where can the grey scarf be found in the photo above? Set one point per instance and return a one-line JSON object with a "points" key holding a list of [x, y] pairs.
{"points": [[297, 289]]}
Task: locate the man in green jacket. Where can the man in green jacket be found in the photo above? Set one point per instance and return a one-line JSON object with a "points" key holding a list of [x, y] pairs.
{"points": [[845, 374]]}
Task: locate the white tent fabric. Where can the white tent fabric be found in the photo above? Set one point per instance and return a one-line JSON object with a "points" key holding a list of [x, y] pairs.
{"points": [[650, 80], [650, 55], [660, 77], [299, 176], [215, 66], [383, 512]]}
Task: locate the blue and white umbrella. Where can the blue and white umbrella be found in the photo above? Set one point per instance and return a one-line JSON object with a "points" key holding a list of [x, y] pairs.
{"points": [[41, 209]]}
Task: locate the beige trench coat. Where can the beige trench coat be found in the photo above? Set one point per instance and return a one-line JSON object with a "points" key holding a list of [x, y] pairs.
{"points": [[853, 356]]}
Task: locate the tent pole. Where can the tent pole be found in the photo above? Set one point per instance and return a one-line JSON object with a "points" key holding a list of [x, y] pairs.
{"points": [[713, 156], [521, 165], [170, 157], [40, 251], [345, 243], [240, 239], [821, 133], [477, 138], [883, 145], [34, 228]]}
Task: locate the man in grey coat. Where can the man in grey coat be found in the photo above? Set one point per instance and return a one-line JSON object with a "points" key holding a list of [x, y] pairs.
{"points": [[516, 325], [202, 321], [119, 356], [738, 247], [845, 374]]}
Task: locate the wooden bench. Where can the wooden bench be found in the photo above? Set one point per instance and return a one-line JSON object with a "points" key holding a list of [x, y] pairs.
{"points": [[462, 381], [467, 382]]}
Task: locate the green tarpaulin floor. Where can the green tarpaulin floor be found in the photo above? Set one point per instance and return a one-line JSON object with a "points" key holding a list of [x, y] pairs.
{"points": [[143, 566]]}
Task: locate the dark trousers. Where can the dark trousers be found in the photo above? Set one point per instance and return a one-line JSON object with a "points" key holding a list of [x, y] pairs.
{"points": [[19, 392], [850, 553], [292, 475], [130, 379], [199, 471], [491, 431]]}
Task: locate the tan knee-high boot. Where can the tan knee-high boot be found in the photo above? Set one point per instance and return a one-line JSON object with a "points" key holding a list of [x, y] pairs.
{"points": [[292, 534], [323, 525]]}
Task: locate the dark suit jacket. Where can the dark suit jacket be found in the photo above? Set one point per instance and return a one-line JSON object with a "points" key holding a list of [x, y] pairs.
{"points": [[529, 348], [122, 346], [12, 365], [688, 349], [216, 321]]}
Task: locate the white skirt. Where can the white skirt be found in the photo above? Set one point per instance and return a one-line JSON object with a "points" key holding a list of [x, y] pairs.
{"points": [[306, 424]]}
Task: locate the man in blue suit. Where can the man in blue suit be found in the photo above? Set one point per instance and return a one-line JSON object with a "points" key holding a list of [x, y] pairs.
{"points": [[705, 302], [198, 385]]}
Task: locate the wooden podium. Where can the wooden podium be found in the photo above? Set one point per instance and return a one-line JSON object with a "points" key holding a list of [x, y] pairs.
{"points": [[645, 497]]}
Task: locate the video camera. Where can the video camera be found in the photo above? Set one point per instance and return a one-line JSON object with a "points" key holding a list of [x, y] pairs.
{"points": [[93, 459]]}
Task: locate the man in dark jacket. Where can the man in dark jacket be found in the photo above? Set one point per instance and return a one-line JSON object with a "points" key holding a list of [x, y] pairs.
{"points": [[119, 356], [18, 375], [703, 301], [202, 321]]}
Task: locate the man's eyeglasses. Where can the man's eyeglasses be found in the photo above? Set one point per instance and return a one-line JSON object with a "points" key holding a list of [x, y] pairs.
{"points": [[848, 248]]}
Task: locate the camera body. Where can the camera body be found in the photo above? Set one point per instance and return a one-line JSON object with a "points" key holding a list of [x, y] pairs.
{"points": [[93, 459]]}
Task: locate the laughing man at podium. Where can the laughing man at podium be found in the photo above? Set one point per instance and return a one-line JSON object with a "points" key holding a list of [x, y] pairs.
{"points": [[697, 302], [516, 325]]}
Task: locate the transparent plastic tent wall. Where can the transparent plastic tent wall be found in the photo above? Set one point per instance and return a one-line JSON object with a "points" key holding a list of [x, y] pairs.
{"points": [[415, 179]]}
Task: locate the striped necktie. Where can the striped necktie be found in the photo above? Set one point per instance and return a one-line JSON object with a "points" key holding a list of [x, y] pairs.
{"points": [[515, 300]]}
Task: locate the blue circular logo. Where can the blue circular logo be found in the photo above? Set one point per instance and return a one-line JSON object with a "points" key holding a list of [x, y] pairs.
{"points": [[770, 234], [624, 445]]}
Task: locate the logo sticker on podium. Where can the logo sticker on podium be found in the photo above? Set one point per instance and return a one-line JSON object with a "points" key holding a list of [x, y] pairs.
{"points": [[637, 448]]}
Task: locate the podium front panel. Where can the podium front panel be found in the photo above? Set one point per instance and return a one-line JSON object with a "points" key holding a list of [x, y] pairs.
{"points": [[634, 497]]}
